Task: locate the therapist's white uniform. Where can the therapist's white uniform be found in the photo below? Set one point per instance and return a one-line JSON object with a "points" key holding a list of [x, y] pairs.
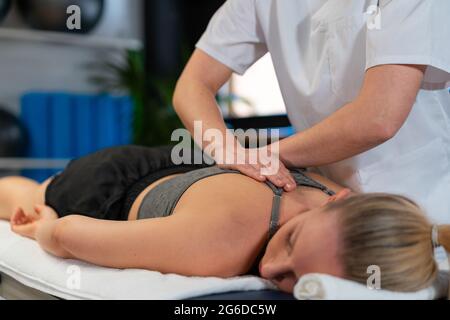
{"points": [[321, 50]]}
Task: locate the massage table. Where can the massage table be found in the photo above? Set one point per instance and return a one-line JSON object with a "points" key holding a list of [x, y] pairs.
{"points": [[27, 272], [11, 289]]}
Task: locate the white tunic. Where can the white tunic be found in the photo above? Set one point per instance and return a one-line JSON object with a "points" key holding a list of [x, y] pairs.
{"points": [[321, 50]]}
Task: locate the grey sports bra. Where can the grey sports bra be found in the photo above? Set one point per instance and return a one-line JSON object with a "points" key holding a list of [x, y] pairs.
{"points": [[161, 200]]}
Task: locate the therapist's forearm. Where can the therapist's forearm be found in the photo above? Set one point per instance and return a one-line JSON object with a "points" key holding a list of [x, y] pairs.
{"points": [[375, 116], [196, 102], [348, 132]]}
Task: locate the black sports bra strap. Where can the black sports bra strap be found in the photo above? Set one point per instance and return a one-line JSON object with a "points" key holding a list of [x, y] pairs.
{"points": [[275, 216], [302, 180]]}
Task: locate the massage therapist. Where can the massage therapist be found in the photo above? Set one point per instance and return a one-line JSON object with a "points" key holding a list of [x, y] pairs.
{"points": [[365, 83]]}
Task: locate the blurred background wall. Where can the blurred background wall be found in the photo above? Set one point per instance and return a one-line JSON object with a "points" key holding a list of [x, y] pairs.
{"points": [[27, 65], [67, 93]]}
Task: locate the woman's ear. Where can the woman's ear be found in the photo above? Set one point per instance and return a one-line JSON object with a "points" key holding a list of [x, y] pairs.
{"points": [[341, 195]]}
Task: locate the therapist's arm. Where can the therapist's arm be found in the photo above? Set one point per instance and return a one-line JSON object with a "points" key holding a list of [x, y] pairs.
{"points": [[382, 107], [195, 93], [195, 100]]}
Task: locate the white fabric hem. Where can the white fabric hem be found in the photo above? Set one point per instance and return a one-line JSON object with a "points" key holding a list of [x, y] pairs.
{"points": [[202, 45], [417, 60]]}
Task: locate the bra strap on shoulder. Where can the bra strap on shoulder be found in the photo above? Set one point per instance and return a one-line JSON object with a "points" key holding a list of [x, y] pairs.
{"points": [[275, 216]]}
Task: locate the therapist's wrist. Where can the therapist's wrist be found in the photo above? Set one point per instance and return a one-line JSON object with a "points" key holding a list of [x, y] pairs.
{"points": [[230, 152], [287, 154]]}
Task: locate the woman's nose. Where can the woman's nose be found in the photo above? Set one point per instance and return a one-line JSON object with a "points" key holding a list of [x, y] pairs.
{"points": [[273, 269]]}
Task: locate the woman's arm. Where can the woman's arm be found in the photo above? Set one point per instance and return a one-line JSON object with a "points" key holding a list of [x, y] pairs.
{"points": [[385, 101], [175, 244]]}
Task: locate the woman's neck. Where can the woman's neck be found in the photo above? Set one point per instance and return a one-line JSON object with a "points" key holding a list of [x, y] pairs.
{"points": [[299, 201]]}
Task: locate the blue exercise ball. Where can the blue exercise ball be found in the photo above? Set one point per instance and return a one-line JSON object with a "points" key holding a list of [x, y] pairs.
{"points": [[51, 15], [13, 135], [4, 8]]}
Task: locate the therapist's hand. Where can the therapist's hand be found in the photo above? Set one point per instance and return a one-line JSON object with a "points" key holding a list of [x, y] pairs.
{"points": [[260, 164]]}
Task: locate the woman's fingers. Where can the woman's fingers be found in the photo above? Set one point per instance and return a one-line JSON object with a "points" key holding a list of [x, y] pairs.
{"points": [[21, 223], [19, 217], [25, 230]]}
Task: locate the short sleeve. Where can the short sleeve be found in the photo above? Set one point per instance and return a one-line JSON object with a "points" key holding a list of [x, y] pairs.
{"points": [[413, 32], [234, 36]]}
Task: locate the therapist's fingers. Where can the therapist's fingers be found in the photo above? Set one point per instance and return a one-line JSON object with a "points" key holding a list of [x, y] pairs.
{"points": [[290, 184], [282, 178], [251, 171], [281, 181], [288, 176], [257, 169]]}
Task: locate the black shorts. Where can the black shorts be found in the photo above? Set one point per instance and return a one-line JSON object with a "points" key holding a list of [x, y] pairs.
{"points": [[104, 185]]}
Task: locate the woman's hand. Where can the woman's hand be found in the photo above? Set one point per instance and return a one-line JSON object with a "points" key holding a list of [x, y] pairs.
{"points": [[26, 223], [260, 164]]}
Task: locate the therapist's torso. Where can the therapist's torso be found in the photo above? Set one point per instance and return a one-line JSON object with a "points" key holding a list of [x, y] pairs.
{"points": [[321, 50]]}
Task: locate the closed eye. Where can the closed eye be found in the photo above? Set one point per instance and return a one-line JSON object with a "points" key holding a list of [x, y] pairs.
{"points": [[290, 242], [292, 239]]}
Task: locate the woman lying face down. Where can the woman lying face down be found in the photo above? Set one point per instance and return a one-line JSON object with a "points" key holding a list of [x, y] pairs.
{"points": [[130, 207], [344, 238]]}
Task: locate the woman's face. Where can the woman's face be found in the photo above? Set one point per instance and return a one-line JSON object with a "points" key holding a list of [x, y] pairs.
{"points": [[306, 244]]}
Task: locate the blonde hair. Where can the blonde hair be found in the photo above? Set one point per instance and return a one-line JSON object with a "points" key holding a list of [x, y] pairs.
{"points": [[390, 232]]}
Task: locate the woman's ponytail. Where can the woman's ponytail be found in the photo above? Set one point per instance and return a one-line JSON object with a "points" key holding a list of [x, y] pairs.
{"points": [[444, 241], [444, 237]]}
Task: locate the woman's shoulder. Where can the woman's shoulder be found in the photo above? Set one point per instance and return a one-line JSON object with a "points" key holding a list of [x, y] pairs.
{"points": [[325, 181], [234, 196]]}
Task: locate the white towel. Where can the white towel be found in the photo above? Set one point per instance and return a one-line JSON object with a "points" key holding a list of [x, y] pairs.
{"points": [[325, 287], [23, 260]]}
